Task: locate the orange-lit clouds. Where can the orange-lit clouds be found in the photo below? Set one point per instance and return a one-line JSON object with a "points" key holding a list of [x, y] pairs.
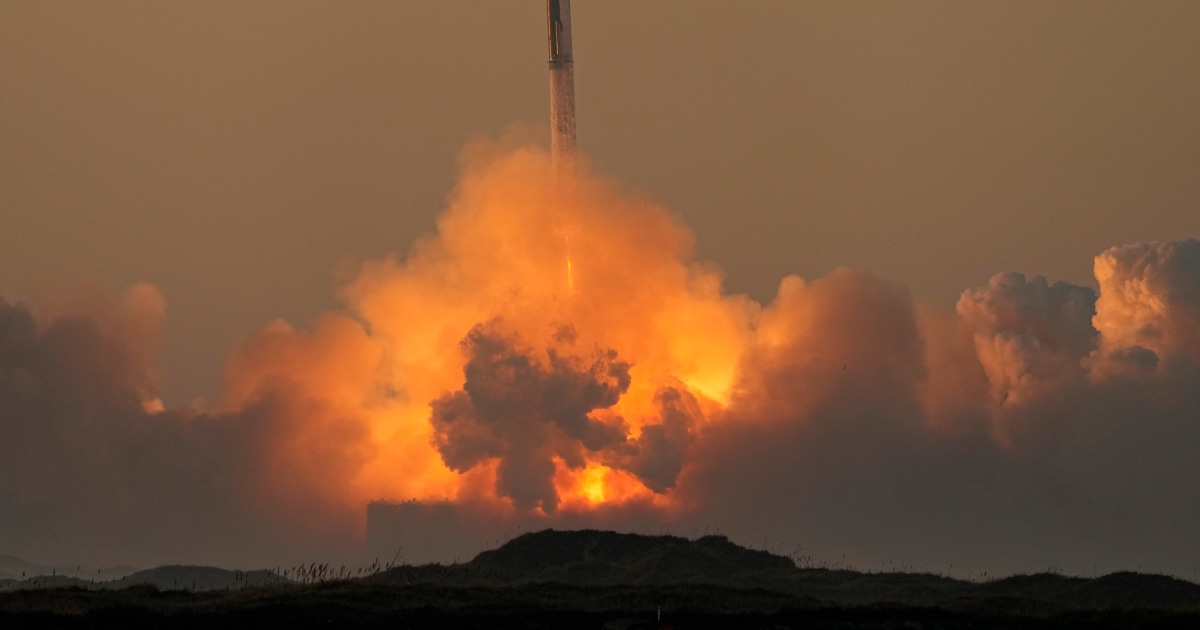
{"points": [[471, 369], [499, 260]]}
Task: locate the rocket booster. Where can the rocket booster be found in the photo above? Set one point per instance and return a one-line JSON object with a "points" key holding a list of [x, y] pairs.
{"points": [[562, 84], [558, 15]]}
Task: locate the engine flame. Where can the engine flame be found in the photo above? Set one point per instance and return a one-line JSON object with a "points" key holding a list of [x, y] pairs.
{"points": [[570, 278]]}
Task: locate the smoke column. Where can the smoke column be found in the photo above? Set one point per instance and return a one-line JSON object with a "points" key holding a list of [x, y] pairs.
{"points": [[562, 84]]}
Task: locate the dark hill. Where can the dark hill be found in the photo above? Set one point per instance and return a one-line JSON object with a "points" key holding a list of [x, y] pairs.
{"points": [[591, 557], [165, 578], [195, 578], [584, 578], [1125, 590]]}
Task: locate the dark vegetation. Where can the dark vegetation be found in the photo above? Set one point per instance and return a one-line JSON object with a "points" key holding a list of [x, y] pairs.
{"points": [[584, 579]]}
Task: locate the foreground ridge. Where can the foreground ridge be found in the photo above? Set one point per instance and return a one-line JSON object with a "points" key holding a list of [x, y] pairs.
{"points": [[582, 578]]}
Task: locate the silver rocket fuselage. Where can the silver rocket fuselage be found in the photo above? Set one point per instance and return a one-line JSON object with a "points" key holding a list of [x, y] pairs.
{"points": [[562, 85]]}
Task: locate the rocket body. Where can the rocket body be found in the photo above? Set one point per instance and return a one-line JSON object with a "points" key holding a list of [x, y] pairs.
{"points": [[562, 85]]}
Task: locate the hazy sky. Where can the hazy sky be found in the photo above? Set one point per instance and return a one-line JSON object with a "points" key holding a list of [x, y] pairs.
{"points": [[234, 153]]}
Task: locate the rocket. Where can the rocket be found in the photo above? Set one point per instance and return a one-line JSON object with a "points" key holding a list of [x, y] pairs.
{"points": [[562, 85]]}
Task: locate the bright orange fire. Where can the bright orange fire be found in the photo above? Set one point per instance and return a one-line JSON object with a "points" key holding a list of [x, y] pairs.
{"points": [[598, 484]]}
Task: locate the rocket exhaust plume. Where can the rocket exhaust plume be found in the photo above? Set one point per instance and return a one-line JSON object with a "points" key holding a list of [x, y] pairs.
{"points": [[1033, 422], [457, 375], [562, 84]]}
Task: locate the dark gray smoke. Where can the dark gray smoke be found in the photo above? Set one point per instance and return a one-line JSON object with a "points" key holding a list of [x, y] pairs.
{"points": [[92, 469], [1041, 426], [526, 408]]}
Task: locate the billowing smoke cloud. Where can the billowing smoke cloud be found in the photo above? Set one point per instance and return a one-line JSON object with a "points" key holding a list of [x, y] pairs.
{"points": [[1150, 301], [524, 411], [1036, 427], [555, 356], [1030, 338], [93, 468]]}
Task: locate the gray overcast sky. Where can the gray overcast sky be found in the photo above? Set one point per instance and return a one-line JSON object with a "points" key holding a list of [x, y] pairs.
{"points": [[235, 153]]}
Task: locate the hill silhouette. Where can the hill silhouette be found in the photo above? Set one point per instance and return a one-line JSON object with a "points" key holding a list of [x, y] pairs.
{"points": [[583, 578], [591, 558], [165, 578], [15, 569]]}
